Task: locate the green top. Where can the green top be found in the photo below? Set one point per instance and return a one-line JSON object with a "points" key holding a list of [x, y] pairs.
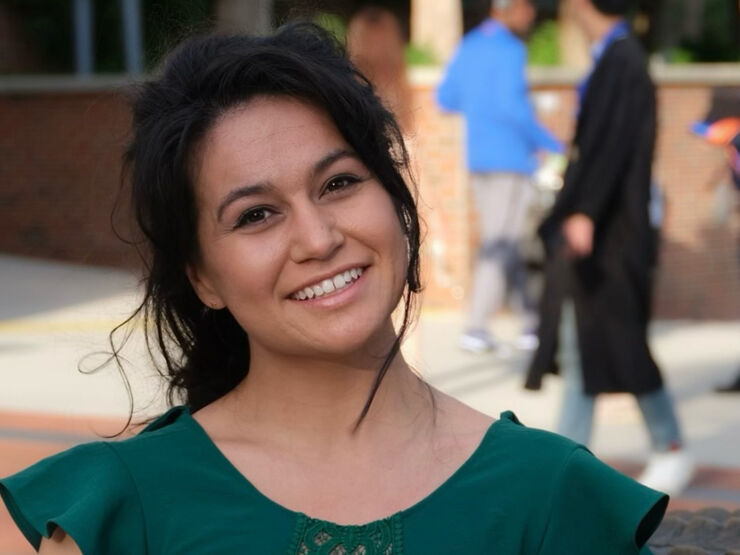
{"points": [[170, 490]]}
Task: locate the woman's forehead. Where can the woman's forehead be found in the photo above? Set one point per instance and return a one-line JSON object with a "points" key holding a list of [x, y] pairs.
{"points": [[265, 139], [269, 118], [266, 123]]}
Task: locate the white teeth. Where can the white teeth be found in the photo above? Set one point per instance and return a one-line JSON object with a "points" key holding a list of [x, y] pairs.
{"points": [[329, 285]]}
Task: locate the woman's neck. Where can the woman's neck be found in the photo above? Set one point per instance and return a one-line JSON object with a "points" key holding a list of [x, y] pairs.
{"points": [[320, 400]]}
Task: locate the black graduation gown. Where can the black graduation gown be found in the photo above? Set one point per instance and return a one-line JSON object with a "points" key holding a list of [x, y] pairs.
{"points": [[608, 178]]}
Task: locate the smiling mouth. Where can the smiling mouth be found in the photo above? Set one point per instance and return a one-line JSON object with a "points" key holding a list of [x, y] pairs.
{"points": [[335, 283]]}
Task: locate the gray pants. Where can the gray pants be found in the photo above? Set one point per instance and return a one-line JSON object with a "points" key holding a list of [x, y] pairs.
{"points": [[577, 412], [502, 200]]}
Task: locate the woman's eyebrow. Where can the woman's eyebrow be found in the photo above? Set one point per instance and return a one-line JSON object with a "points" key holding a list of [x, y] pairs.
{"points": [[241, 192], [332, 157]]}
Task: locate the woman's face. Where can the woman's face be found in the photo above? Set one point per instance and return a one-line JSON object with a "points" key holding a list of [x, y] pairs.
{"points": [[297, 238]]}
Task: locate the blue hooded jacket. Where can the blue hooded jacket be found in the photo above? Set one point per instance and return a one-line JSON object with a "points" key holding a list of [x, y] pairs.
{"points": [[485, 81]]}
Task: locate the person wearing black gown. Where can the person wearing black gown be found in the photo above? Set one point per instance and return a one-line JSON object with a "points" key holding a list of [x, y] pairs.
{"points": [[601, 250]]}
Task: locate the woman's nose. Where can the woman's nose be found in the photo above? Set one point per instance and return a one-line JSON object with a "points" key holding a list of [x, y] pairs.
{"points": [[315, 234]]}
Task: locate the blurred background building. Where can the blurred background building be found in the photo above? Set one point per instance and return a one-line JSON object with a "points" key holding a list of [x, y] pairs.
{"points": [[65, 66]]}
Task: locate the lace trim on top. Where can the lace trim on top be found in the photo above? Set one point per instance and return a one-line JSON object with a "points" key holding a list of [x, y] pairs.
{"points": [[318, 537]]}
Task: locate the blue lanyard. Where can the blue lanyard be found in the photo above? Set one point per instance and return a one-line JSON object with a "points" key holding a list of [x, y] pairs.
{"points": [[620, 30], [490, 27]]}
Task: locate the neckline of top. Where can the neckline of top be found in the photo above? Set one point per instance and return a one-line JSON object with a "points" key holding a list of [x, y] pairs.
{"points": [[182, 413]]}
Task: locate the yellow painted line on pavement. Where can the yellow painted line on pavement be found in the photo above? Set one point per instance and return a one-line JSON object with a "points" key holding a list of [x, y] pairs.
{"points": [[37, 325], [55, 326]]}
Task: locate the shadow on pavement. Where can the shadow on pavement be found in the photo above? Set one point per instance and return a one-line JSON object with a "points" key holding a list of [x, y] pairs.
{"points": [[31, 286]]}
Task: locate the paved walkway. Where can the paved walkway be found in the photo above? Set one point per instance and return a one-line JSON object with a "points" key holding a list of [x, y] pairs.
{"points": [[54, 315]]}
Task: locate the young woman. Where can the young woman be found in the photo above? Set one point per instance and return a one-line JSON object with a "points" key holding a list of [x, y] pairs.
{"points": [[269, 182]]}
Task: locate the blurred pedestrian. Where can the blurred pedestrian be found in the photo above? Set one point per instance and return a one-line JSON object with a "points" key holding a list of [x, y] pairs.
{"points": [[375, 45], [601, 251], [485, 81], [725, 131], [734, 386]]}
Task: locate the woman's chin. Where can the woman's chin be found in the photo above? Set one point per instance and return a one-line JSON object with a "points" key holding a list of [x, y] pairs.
{"points": [[355, 348], [341, 345]]}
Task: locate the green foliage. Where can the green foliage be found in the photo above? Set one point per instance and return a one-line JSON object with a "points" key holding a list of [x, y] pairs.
{"points": [[679, 56], [417, 55], [332, 23], [718, 41], [543, 48]]}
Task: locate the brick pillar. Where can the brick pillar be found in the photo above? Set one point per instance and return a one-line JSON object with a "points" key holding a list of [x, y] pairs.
{"points": [[437, 24], [574, 50], [439, 167], [253, 17], [438, 160]]}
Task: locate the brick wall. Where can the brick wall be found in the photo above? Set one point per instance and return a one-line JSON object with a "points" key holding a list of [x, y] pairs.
{"points": [[698, 272], [59, 174], [60, 168]]}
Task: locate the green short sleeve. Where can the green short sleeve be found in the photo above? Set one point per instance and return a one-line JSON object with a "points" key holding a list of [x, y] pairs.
{"points": [[596, 509], [88, 492]]}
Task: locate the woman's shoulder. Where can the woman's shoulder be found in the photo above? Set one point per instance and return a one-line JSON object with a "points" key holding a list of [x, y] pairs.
{"points": [[523, 441], [504, 434], [532, 461], [544, 483], [169, 430], [503, 455], [567, 484], [89, 486], [458, 421], [81, 489]]}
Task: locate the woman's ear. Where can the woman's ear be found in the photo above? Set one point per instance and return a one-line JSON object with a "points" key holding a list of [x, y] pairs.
{"points": [[203, 287]]}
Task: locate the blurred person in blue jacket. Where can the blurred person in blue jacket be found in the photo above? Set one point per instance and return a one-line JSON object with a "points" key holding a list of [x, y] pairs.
{"points": [[485, 82]]}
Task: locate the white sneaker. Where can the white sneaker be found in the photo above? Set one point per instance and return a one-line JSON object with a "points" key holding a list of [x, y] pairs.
{"points": [[527, 342], [477, 341], [669, 471]]}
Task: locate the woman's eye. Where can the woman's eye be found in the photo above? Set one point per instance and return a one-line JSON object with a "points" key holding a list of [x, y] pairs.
{"points": [[254, 216], [340, 182]]}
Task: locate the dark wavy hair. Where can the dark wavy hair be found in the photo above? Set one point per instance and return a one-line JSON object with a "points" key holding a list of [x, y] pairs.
{"points": [[614, 7], [204, 353]]}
